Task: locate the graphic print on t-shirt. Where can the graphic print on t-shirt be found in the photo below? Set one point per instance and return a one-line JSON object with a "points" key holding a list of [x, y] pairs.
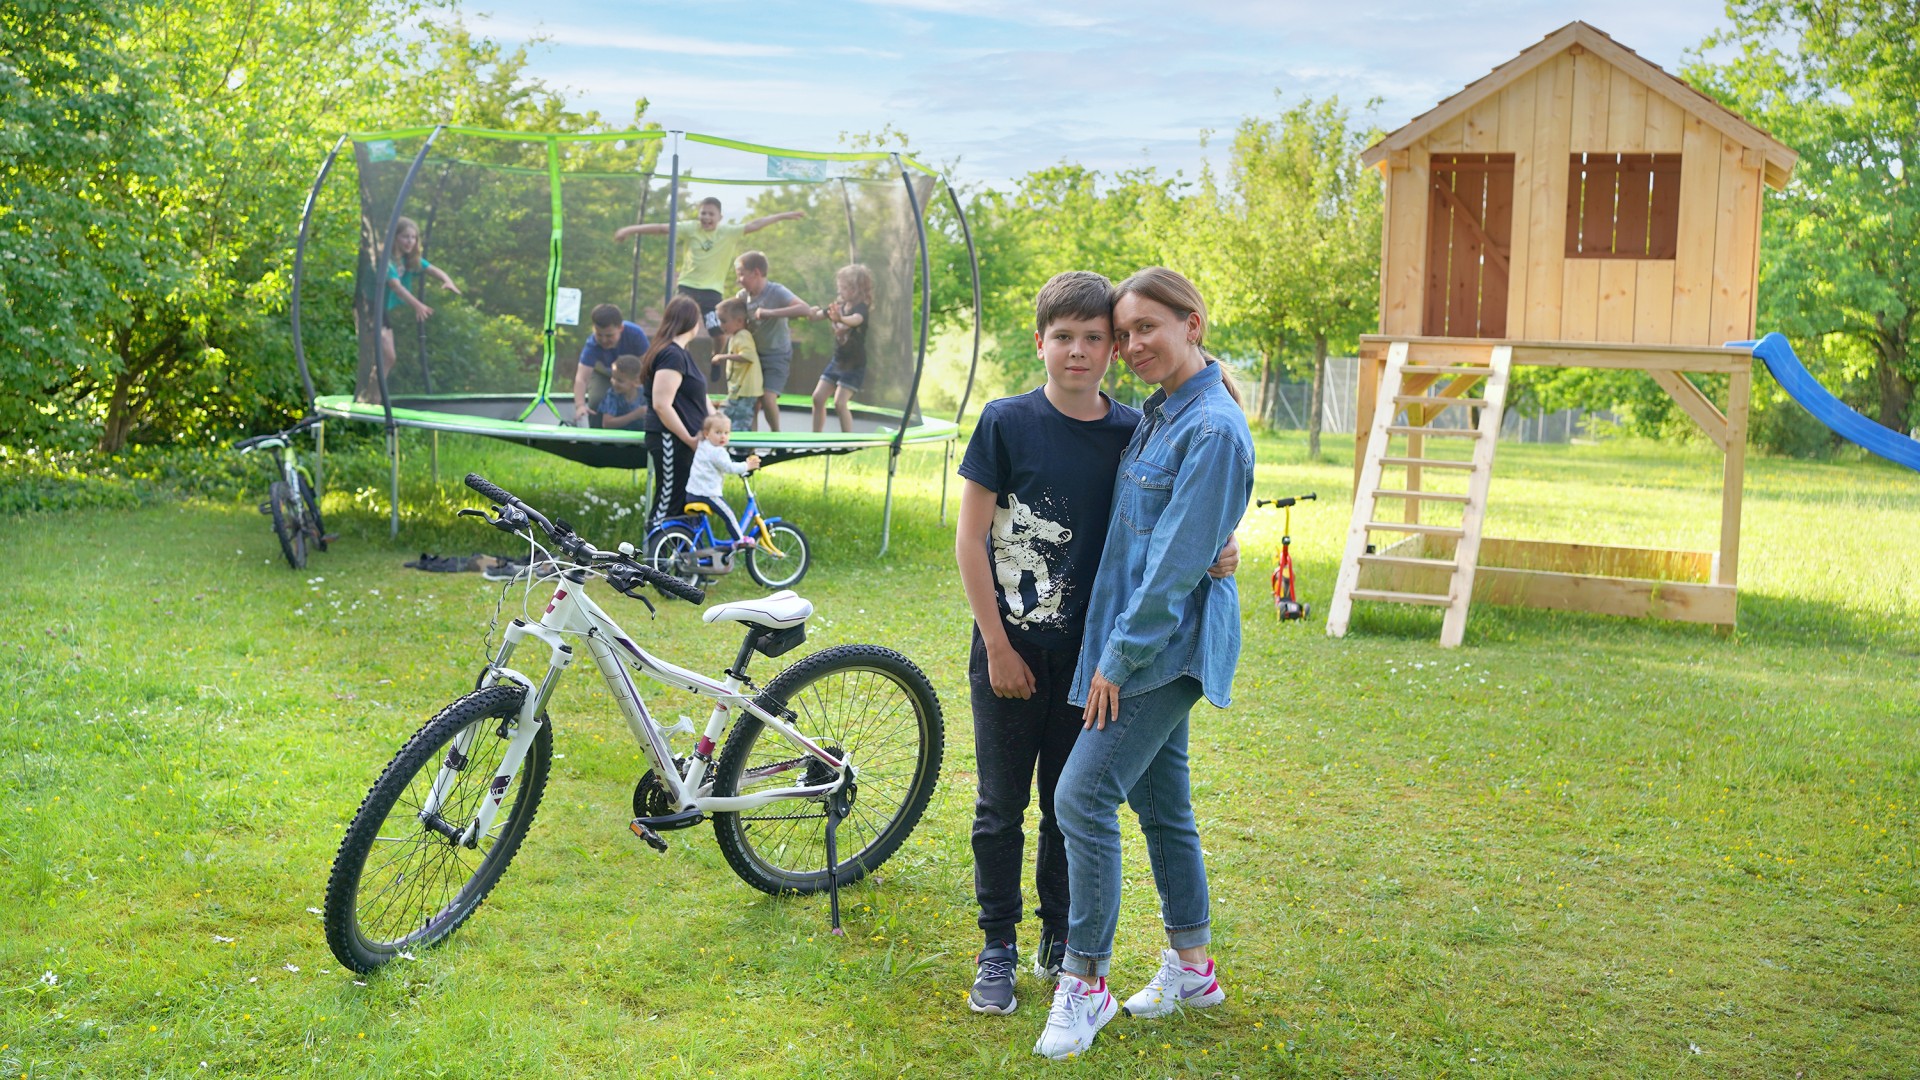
{"points": [[1024, 543]]}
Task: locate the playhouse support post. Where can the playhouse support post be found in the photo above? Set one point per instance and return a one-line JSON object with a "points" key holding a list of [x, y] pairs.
{"points": [[1367, 382], [1726, 568]]}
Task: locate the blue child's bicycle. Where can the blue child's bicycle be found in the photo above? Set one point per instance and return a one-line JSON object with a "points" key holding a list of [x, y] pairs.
{"points": [[689, 549]]}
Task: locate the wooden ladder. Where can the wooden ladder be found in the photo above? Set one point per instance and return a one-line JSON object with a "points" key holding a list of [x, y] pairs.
{"points": [[1454, 381]]}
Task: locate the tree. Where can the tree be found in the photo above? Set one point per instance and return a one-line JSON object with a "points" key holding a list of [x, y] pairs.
{"points": [[1290, 245], [153, 158], [1840, 271]]}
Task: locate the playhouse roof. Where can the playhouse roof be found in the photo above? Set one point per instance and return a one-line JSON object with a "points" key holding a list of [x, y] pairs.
{"points": [[1779, 157]]}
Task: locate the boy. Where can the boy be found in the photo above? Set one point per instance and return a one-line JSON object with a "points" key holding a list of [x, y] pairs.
{"points": [[1050, 456], [613, 337], [710, 247], [769, 306], [743, 360], [625, 406]]}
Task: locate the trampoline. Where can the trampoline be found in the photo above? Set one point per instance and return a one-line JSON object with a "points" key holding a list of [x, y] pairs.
{"points": [[523, 224]]}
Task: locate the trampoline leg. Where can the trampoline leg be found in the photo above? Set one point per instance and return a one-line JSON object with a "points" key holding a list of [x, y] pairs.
{"points": [[436, 461], [886, 513], [393, 457], [320, 457], [826, 473], [944, 473]]}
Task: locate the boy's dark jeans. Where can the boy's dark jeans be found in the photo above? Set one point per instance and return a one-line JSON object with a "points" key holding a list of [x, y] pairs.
{"points": [[1011, 736]]}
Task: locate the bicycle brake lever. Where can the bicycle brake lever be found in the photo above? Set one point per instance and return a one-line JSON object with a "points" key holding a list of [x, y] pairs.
{"points": [[471, 512]]}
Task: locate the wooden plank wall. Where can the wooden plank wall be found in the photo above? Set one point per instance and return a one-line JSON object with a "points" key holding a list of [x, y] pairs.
{"points": [[1577, 102]]}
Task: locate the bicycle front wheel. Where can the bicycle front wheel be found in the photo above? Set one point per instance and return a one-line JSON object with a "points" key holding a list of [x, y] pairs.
{"points": [[399, 883], [871, 705], [286, 524], [782, 571]]}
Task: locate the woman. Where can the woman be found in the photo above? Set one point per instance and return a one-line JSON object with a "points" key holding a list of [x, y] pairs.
{"points": [[680, 406], [1160, 634]]}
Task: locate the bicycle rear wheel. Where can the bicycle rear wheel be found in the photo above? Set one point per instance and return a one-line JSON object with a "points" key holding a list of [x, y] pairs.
{"points": [[317, 529], [286, 524], [866, 702], [399, 884]]}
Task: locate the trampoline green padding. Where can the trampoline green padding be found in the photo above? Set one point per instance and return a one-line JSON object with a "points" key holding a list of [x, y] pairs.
{"points": [[485, 256], [498, 417]]}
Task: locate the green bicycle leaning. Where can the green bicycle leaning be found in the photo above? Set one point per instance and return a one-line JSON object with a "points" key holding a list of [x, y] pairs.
{"points": [[291, 499]]}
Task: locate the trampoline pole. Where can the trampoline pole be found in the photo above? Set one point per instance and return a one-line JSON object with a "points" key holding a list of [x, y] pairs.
{"points": [[826, 471], [943, 484], [319, 458], [886, 512], [393, 458], [435, 454], [673, 218]]}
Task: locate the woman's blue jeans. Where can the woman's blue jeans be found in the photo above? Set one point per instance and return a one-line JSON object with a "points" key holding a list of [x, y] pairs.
{"points": [[1140, 759]]}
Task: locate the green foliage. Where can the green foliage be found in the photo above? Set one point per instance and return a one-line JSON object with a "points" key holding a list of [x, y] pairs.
{"points": [[1287, 244], [152, 160], [1840, 267]]}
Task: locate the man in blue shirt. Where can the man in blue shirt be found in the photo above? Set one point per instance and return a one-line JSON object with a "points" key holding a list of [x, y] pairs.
{"points": [[613, 337]]}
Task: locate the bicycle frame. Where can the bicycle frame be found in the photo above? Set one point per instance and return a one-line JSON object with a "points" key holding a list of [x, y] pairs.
{"points": [[751, 524], [572, 613]]}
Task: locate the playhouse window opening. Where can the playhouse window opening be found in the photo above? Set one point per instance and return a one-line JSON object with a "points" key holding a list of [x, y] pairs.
{"points": [[1623, 206]]}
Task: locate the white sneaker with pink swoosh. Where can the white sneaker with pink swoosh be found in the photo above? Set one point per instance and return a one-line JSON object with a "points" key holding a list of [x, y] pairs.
{"points": [[1177, 986]]}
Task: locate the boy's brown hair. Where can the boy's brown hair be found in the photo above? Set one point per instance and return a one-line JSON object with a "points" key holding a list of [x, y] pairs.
{"points": [[730, 309], [753, 260], [1076, 294], [628, 365]]}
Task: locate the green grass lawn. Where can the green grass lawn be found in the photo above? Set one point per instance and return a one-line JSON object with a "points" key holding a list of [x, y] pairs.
{"points": [[1576, 846]]}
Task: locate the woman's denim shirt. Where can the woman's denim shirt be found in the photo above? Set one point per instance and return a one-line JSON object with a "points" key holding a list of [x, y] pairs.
{"points": [[1183, 485]]}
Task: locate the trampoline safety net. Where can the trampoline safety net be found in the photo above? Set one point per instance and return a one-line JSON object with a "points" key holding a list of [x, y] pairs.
{"points": [[523, 229]]}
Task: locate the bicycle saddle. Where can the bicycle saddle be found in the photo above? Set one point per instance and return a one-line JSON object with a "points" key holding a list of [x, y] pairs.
{"points": [[776, 612]]}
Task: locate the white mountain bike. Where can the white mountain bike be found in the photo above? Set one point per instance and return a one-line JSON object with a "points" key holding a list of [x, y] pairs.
{"points": [[825, 773]]}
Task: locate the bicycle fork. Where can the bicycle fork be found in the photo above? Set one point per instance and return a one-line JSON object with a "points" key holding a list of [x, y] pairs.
{"points": [[526, 726]]}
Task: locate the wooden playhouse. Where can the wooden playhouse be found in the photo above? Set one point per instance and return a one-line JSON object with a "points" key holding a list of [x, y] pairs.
{"points": [[1577, 207]]}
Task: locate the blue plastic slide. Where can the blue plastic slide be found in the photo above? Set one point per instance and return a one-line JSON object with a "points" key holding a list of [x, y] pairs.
{"points": [[1849, 425]]}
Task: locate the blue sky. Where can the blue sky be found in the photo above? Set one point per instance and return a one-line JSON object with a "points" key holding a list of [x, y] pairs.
{"points": [[1005, 87]]}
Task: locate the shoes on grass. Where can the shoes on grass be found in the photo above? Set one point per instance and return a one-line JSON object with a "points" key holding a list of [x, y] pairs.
{"points": [[1177, 986], [1079, 1011], [1052, 955], [993, 979]]}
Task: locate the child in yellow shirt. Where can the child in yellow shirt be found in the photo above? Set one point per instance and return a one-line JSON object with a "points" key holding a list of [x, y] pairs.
{"points": [[744, 385]]}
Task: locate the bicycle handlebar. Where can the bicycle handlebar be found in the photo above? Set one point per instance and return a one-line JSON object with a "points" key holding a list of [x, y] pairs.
{"points": [[623, 573], [306, 422], [1286, 502]]}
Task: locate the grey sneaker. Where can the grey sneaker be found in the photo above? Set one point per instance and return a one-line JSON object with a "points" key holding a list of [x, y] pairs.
{"points": [[1052, 955], [993, 985]]}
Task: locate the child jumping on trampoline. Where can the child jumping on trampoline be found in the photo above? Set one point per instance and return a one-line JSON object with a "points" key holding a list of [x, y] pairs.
{"points": [[848, 370], [405, 268], [743, 364], [711, 247], [710, 464]]}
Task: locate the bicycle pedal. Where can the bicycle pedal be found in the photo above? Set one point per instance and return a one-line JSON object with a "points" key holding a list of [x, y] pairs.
{"points": [[329, 538], [645, 832], [266, 508]]}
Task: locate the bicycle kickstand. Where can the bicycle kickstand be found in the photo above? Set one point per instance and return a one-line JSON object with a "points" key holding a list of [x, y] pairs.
{"points": [[836, 812]]}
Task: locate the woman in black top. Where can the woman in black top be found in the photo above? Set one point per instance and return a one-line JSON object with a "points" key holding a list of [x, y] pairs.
{"points": [[673, 428]]}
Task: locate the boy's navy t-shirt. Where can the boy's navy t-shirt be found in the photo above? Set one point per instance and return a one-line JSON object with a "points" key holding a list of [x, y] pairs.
{"points": [[1054, 478]]}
